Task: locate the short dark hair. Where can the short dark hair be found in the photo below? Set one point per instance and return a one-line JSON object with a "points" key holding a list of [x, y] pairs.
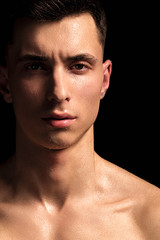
{"points": [[47, 10]]}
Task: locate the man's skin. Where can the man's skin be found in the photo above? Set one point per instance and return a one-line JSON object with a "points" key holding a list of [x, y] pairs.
{"points": [[56, 187]]}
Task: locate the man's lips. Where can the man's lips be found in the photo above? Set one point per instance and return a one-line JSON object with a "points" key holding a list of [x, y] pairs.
{"points": [[59, 120]]}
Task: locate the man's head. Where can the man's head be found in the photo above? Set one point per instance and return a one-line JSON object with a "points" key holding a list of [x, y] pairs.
{"points": [[47, 11], [55, 77]]}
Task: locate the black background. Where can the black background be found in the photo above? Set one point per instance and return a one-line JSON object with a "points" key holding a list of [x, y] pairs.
{"points": [[127, 128]]}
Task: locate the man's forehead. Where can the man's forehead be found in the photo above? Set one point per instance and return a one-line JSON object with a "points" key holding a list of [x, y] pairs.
{"points": [[75, 26], [40, 38]]}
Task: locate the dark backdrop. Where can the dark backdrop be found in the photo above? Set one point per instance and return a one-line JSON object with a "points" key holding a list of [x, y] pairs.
{"points": [[127, 128]]}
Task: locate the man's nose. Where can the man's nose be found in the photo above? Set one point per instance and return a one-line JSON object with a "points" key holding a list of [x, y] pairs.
{"points": [[59, 86]]}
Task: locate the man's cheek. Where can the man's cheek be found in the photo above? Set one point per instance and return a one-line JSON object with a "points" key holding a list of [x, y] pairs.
{"points": [[30, 95], [91, 93], [91, 102]]}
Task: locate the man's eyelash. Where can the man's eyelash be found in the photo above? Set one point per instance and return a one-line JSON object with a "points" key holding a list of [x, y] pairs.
{"points": [[35, 66], [39, 66], [80, 65]]}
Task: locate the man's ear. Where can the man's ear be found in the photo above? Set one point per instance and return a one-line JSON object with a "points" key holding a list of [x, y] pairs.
{"points": [[4, 85], [107, 70]]}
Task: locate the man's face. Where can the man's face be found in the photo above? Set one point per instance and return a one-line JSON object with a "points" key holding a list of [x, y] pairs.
{"points": [[56, 77]]}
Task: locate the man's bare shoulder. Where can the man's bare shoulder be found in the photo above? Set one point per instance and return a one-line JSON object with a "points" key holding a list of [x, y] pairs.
{"points": [[130, 193], [151, 217], [123, 181]]}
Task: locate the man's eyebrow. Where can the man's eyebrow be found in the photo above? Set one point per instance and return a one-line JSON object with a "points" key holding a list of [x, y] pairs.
{"points": [[83, 57], [77, 58], [31, 57]]}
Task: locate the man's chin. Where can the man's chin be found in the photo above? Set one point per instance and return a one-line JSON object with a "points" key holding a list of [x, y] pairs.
{"points": [[61, 140], [58, 144]]}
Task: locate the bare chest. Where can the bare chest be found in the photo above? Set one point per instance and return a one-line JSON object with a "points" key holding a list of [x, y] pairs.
{"points": [[85, 225], [99, 226]]}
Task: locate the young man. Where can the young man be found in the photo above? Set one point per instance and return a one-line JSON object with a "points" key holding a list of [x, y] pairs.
{"points": [[56, 187]]}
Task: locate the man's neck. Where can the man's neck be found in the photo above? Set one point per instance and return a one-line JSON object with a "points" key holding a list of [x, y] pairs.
{"points": [[57, 174]]}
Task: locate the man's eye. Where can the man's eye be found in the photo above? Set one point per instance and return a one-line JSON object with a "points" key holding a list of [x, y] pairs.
{"points": [[35, 67], [79, 67]]}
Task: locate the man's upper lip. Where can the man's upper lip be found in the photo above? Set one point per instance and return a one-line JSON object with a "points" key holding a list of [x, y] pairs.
{"points": [[59, 116]]}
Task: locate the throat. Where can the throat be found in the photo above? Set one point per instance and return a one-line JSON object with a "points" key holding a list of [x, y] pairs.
{"points": [[56, 175], [59, 178]]}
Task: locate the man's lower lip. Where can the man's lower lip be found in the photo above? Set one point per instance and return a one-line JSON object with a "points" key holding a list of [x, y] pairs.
{"points": [[60, 123]]}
